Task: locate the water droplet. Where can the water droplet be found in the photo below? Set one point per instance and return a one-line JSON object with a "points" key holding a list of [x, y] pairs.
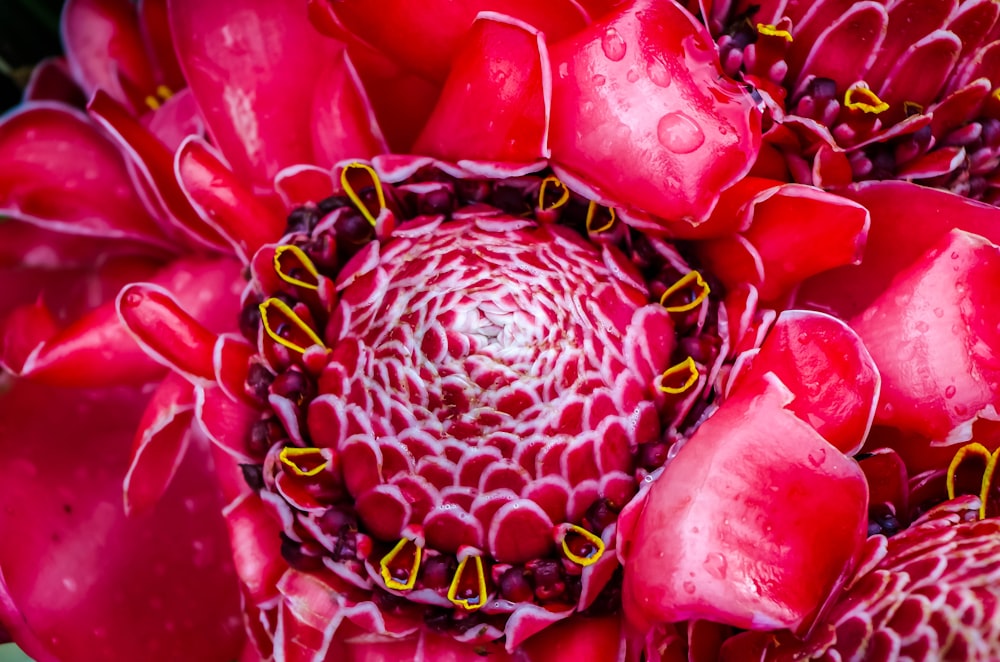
{"points": [[961, 410], [679, 133], [563, 69], [658, 73], [70, 584], [950, 391], [954, 255], [939, 312], [922, 326], [613, 45], [715, 565], [632, 75], [598, 80], [817, 457], [689, 587]]}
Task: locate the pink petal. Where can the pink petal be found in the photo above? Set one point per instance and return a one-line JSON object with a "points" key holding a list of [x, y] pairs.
{"points": [[256, 541], [81, 580], [154, 22], [797, 231], [921, 72], [754, 523], [934, 334], [828, 370], [425, 37], [909, 22], [641, 110], [494, 105], [972, 22], [906, 221], [58, 172], [845, 49], [105, 51], [595, 639], [252, 67], [160, 444], [220, 197]]}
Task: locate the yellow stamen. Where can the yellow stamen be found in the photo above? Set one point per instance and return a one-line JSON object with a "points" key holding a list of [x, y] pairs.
{"points": [[411, 578], [563, 196], [353, 195], [774, 31], [293, 319], [912, 108], [989, 460], [302, 260], [595, 547], [152, 102], [678, 370], [473, 602], [860, 97], [290, 454], [592, 214], [164, 92], [996, 94], [692, 281]]}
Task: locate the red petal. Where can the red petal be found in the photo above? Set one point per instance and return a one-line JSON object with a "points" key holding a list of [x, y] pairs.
{"points": [[934, 334], [51, 81], [105, 50], [58, 172], [252, 66], [922, 71], [754, 523], [494, 105], [829, 371], [425, 37], [844, 50], [159, 445], [155, 24], [909, 22], [256, 540], [641, 109], [85, 582]]}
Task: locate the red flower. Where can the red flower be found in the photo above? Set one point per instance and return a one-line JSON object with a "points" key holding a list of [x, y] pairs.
{"points": [[541, 387]]}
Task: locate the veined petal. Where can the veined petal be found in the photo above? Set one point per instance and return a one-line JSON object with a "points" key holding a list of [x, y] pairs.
{"points": [[249, 64], [694, 132], [57, 171], [76, 569], [495, 102], [754, 523], [934, 335]]}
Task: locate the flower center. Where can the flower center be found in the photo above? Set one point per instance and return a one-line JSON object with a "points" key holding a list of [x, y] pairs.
{"points": [[460, 409]]}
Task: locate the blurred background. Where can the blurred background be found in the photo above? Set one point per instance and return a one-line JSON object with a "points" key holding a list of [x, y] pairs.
{"points": [[29, 32]]}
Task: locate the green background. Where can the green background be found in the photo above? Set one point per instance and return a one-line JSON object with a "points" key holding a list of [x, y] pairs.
{"points": [[11, 653]]}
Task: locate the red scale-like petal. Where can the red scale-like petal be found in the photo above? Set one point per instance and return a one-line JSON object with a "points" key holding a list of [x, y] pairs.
{"points": [[909, 22], [694, 131], [845, 49], [921, 72]]}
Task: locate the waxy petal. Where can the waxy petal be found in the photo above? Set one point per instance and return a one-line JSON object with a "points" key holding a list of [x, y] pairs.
{"points": [[909, 22], [249, 64], [51, 81], [495, 103], [845, 49], [935, 337], [694, 132], [58, 172], [754, 523], [921, 72], [81, 581]]}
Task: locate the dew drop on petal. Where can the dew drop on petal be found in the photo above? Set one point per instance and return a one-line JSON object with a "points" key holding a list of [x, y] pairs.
{"points": [[715, 565], [939, 312], [689, 587], [950, 391], [598, 80], [679, 133], [922, 326], [613, 45], [658, 73], [817, 457], [632, 75]]}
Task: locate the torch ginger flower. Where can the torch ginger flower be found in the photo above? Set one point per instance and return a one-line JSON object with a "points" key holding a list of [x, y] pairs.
{"points": [[526, 392]]}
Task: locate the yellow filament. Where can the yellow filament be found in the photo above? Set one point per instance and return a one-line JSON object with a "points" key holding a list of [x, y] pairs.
{"points": [[686, 280], [563, 197], [674, 370], [477, 601], [290, 453], [303, 259], [352, 194], [152, 102], [591, 538], [592, 212], [411, 580], [293, 318], [774, 31], [164, 92], [990, 459], [860, 97]]}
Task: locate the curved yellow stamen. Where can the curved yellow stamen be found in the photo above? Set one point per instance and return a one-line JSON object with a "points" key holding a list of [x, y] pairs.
{"points": [[912, 108], [979, 451], [996, 94], [774, 31], [596, 546], [479, 599], [592, 214], [290, 454], [293, 319], [353, 195], [303, 260], [563, 197], [688, 366], [411, 578], [692, 280], [152, 102], [860, 97], [164, 92]]}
